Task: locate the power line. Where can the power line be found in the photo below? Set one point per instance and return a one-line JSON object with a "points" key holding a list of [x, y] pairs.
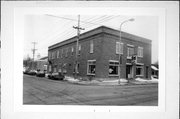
{"points": [[67, 29], [75, 19], [50, 36], [69, 33], [99, 20]]}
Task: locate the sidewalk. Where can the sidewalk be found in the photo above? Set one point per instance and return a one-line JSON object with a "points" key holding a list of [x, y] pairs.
{"points": [[137, 81]]}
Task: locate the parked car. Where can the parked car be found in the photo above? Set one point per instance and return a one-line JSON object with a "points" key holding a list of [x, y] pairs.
{"points": [[32, 72], [26, 71], [56, 76], [40, 74]]}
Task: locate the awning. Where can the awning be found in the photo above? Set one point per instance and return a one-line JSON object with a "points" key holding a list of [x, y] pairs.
{"points": [[153, 67]]}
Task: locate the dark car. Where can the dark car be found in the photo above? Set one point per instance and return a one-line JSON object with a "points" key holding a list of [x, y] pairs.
{"points": [[40, 74], [56, 76]]}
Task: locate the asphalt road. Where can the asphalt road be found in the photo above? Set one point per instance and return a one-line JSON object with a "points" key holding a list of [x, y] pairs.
{"points": [[43, 91]]}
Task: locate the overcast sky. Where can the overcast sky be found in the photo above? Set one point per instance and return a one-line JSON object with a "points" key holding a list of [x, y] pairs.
{"points": [[47, 30]]}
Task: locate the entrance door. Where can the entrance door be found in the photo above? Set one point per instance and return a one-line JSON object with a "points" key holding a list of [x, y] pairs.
{"points": [[147, 71], [128, 71]]}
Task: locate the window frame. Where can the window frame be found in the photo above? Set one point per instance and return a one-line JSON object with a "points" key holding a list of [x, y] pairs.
{"points": [[66, 52], [140, 52], [114, 61], [72, 50], [91, 46], [49, 55], [79, 49], [93, 74], [62, 52], [128, 52], [52, 55], [57, 54], [142, 67]]}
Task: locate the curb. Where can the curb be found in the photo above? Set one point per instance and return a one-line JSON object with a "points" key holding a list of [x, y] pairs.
{"points": [[108, 83]]}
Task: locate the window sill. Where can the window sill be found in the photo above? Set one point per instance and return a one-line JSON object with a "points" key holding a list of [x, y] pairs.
{"points": [[75, 72], [91, 74], [129, 57]]}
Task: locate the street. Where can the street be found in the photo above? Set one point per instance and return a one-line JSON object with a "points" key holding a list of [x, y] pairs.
{"points": [[43, 91]]}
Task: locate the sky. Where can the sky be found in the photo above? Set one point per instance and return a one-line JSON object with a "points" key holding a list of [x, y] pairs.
{"points": [[49, 29]]}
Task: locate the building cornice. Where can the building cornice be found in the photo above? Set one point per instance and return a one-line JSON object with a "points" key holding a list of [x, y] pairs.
{"points": [[99, 30]]}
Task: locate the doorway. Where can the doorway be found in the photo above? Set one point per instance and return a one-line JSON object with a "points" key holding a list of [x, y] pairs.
{"points": [[147, 71], [129, 71]]}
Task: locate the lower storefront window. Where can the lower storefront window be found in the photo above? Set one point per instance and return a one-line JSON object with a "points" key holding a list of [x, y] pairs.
{"points": [[91, 67], [139, 70], [113, 68]]}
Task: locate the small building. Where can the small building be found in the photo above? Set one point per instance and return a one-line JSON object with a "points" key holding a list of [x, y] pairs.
{"points": [[98, 55], [42, 64]]}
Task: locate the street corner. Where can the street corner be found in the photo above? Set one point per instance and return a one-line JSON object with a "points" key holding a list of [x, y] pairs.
{"points": [[141, 81]]}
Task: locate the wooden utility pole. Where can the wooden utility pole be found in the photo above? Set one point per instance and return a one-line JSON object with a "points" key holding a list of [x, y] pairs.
{"points": [[34, 49], [77, 44]]}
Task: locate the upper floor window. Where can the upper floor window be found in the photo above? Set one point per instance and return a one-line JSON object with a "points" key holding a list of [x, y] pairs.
{"points": [[119, 48], [62, 53], [140, 51], [58, 54], [91, 46], [79, 49], [72, 50], [66, 52], [130, 51], [49, 55], [52, 55]]}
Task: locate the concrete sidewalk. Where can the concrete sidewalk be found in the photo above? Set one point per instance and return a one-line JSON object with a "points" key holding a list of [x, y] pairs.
{"points": [[110, 82]]}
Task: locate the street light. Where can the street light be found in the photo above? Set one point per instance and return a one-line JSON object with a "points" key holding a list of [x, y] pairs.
{"points": [[132, 19]]}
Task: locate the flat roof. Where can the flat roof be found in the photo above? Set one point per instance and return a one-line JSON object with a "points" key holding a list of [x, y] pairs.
{"points": [[98, 30]]}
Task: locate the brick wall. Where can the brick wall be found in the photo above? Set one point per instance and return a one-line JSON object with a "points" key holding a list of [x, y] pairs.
{"points": [[104, 50]]}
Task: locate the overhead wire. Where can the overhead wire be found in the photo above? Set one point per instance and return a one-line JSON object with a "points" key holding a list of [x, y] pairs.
{"points": [[99, 20]]}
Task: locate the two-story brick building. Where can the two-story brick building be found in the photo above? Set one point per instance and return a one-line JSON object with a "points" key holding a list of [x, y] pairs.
{"points": [[98, 55]]}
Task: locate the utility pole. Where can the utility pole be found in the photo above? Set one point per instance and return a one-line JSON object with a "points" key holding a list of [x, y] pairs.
{"points": [[120, 47], [77, 44], [34, 50]]}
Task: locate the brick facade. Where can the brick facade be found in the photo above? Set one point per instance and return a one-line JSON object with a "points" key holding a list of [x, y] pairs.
{"points": [[104, 55]]}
